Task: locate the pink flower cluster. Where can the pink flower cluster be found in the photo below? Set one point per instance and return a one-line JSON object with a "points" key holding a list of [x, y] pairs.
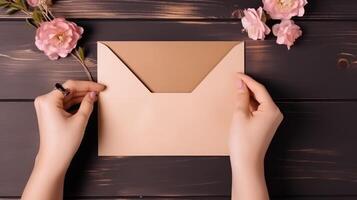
{"points": [[286, 32]]}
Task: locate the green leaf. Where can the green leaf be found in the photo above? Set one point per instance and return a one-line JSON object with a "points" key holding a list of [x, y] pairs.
{"points": [[4, 3], [12, 10], [37, 16], [15, 4], [23, 4], [20, 4], [80, 53], [31, 23]]}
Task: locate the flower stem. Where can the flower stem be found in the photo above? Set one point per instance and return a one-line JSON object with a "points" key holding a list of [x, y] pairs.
{"points": [[48, 16], [44, 12], [51, 14], [27, 13], [85, 67]]}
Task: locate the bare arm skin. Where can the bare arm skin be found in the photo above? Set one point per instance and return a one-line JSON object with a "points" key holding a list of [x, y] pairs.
{"points": [[254, 123], [61, 134]]}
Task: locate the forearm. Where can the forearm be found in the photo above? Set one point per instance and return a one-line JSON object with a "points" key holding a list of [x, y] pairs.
{"points": [[248, 181], [46, 182]]}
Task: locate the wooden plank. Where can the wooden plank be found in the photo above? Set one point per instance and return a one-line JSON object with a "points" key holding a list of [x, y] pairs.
{"points": [[213, 198], [186, 9], [314, 68], [18, 144], [144, 198], [313, 150], [312, 154], [341, 197], [145, 9], [228, 198], [170, 198], [308, 71]]}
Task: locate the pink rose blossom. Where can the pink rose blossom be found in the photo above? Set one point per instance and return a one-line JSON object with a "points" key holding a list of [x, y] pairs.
{"points": [[33, 3], [58, 37], [36, 3], [253, 24], [284, 9], [287, 32]]}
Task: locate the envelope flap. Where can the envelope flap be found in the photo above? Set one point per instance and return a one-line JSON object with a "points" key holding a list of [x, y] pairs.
{"points": [[171, 67]]}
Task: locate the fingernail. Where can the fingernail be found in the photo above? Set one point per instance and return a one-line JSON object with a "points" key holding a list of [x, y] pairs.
{"points": [[104, 86], [93, 95]]}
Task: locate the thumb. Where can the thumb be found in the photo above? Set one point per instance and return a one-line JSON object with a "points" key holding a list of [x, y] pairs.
{"points": [[86, 106], [243, 98]]}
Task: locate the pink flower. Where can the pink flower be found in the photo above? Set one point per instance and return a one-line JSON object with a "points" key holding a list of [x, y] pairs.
{"points": [[253, 24], [33, 3], [36, 3], [287, 32], [284, 9], [58, 37]]}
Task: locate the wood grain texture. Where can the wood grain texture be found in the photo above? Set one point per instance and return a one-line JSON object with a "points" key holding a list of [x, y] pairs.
{"points": [[310, 70], [149, 198], [18, 144], [186, 9], [312, 154], [213, 198], [228, 198], [341, 197], [313, 68]]}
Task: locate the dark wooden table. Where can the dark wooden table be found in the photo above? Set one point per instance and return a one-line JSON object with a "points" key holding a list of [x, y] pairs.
{"points": [[312, 157]]}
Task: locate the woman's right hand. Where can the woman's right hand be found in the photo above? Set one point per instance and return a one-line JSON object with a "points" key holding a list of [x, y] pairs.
{"points": [[255, 120], [254, 123]]}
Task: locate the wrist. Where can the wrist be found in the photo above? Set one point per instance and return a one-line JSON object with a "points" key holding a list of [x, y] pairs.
{"points": [[50, 167], [45, 174], [248, 180], [246, 159], [247, 165]]}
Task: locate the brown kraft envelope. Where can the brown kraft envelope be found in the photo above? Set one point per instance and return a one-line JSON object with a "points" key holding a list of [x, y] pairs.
{"points": [[167, 98]]}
